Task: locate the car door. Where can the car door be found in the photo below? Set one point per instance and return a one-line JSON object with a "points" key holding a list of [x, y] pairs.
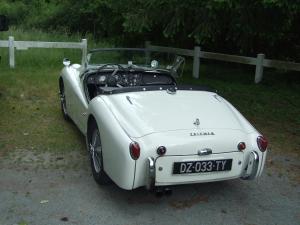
{"points": [[76, 101]]}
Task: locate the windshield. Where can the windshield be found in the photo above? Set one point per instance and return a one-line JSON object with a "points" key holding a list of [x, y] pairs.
{"points": [[137, 57]]}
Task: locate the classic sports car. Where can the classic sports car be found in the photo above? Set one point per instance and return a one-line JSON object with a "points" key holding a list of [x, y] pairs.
{"points": [[144, 129]]}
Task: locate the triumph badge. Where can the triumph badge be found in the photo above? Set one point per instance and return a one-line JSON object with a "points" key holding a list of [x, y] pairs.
{"points": [[197, 122]]}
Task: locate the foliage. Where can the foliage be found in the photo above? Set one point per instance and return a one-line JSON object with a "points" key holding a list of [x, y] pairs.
{"points": [[247, 27], [243, 27]]}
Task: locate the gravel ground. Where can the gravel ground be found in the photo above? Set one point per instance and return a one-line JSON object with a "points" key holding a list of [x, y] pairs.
{"points": [[59, 189]]}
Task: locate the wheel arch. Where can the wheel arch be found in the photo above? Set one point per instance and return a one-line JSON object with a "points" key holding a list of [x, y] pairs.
{"points": [[90, 121], [61, 83], [115, 144]]}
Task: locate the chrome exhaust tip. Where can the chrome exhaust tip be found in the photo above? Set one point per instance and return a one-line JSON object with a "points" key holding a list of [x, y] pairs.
{"points": [[168, 191], [159, 192]]}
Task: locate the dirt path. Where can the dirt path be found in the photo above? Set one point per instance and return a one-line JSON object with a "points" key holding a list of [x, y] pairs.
{"points": [[59, 189]]}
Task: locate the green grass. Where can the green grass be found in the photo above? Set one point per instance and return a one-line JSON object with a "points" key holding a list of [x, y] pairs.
{"points": [[30, 113], [31, 117], [29, 102], [273, 106]]}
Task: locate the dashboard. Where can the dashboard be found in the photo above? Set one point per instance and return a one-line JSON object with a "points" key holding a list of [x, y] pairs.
{"points": [[129, 79]]}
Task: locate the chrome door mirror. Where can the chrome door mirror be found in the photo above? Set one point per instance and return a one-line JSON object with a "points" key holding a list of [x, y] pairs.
{"points": [[154, 64], [66, 62]]}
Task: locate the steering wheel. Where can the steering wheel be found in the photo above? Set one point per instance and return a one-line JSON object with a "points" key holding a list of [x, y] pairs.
{"points": [[111, 64], [112, 81]]}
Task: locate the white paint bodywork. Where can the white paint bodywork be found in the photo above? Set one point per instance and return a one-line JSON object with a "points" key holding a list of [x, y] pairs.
{"points": [[157, 118]]}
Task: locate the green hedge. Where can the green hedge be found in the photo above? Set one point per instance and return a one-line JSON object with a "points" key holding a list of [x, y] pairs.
{"points": [[243, 27]]}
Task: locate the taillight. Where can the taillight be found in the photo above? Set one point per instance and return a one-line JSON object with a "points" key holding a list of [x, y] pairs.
{"points": [[135, 150], [262, 143], [241, 146], [161, 150]]}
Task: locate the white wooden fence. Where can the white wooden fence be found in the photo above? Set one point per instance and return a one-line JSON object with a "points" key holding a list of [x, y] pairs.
{"points": [[260, 62], [24, 45]]}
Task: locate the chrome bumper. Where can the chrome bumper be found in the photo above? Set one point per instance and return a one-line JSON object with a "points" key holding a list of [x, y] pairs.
{"points": [[252, 168], [249, 173], [150, 182]]}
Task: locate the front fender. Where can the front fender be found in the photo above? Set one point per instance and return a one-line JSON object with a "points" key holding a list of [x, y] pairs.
{"points": [[118, 164], [76, 101]]}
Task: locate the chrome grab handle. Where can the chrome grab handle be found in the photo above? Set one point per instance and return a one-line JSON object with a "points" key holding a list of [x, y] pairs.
{"points": [[205, 151]]}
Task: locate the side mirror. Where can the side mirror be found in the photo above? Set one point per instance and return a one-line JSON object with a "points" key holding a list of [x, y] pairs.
{"points": [[3, 23], [66, 62], [154, 64]]}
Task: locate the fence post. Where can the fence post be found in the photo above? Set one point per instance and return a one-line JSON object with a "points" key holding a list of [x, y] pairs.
{"points": [[259, 70], [11, 46], [196, 62], [84, 51], [148, 56]]}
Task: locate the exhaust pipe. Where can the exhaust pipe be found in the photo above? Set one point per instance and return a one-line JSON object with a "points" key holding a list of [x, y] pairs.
{"points": [[160, 191], [168, 191]]}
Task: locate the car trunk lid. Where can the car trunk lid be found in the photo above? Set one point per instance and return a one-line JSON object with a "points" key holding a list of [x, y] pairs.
{"points": [[185, 142], [143, 113]]}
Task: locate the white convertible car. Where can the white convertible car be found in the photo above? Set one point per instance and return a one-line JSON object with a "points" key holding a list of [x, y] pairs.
{"points": [[144, 129]]}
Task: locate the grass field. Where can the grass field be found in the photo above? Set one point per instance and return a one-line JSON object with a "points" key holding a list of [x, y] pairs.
{"points": [[31, 117]]}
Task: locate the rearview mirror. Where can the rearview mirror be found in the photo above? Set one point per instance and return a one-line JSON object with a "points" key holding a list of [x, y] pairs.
{"points": [[3, 23]]}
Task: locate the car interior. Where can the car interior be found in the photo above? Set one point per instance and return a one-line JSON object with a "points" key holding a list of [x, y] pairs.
{"points": [[116, 79]]}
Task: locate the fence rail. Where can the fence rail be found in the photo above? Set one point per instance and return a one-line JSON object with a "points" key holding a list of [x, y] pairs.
{"points": [[24, 45], [4, 44], [228, 58], [259, 62], [281, 64]]}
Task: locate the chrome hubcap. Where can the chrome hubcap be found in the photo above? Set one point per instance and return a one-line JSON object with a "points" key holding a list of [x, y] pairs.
{"points": [[63, 102], [96, 151]]}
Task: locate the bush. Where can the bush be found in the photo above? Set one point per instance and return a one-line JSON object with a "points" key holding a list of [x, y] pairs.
{"points": [[242, 27]]}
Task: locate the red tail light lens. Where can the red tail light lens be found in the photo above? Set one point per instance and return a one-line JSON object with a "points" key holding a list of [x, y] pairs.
{"points": [[241, 146], [135, 150], [161, 150], [262, 143]]}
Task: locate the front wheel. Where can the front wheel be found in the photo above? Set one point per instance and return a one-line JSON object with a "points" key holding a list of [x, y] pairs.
{"points": [[95, 151], [63, 102]]}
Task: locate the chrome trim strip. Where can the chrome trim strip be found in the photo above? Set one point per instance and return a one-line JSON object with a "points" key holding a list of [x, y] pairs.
{"points": [[150, 174]]}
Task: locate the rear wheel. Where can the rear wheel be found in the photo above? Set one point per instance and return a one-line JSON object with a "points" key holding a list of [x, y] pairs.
{"points": [[95, 151], [63, 102]]}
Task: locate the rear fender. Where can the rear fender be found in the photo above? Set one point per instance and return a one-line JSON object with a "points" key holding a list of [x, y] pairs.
{"points": [[118, 164]]}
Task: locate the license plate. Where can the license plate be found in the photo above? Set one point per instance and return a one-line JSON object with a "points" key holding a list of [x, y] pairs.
{"points": [[202, 166]]}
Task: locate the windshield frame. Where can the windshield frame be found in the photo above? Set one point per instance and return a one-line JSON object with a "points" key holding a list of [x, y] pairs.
{"points": [[146, 51], [113, 50]]}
